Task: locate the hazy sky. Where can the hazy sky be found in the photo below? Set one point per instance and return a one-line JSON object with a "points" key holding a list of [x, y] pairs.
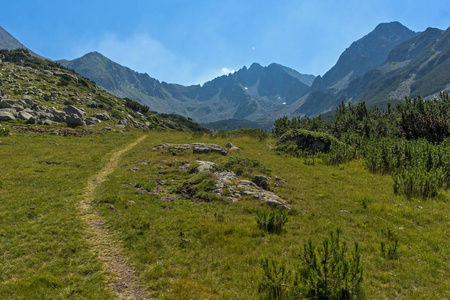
{"points": [[193, 41]]}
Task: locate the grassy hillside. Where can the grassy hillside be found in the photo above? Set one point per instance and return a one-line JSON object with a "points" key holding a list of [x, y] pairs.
{"points": [[188, 249], [49, 84]]}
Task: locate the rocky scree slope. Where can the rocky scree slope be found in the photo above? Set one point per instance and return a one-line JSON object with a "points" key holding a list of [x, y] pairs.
{"points": [[37, 91]]}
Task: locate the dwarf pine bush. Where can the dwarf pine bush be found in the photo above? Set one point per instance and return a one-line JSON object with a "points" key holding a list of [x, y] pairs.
{"points": [[325, 272], [389, 248], [275, 281], [272, 221]]}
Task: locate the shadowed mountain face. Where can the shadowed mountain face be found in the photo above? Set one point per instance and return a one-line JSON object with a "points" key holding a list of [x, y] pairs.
{"points": [[251, 93], [8, 42], [363, 55], [420, 65]]}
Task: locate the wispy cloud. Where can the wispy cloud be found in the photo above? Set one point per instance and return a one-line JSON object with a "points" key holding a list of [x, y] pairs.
{"points": [[226, 71], [144, 54]]}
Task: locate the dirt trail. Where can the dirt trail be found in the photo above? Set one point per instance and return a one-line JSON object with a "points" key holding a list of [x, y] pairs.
{"points": [[105, 245]]}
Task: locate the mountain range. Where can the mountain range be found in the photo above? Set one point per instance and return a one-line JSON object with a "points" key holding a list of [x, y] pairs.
{"points": [[384, 66], [250, 93]]}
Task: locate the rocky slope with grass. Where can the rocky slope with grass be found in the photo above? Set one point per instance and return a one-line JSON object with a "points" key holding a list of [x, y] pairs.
{"points": [[37, 91]]}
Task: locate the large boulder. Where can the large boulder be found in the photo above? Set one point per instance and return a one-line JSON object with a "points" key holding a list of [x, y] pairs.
{"points": [[23, 115], [102, 116], [74, 120], [91, 121], [11, 111], [6, 116], [72, 110]]}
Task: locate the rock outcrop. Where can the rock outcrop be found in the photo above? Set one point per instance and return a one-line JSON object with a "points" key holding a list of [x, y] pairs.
{"points": [[230, 186], [31, 111], [197, 148]]}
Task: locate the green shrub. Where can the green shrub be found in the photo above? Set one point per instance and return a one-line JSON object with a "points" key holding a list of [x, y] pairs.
{"points": [[245, 166], [417, 182], [272, 221], [116, 114], [327, 273], [308, 141], [389, 248], [4, 131], [275, 281]]}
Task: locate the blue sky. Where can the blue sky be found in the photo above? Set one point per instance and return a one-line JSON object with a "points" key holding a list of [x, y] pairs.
{"points": [[190, 42]]}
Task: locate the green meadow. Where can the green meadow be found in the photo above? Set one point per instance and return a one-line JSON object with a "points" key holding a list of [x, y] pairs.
{"points": [[192, 249]]}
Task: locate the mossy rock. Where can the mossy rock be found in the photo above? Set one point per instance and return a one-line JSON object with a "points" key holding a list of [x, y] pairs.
{"points": [[307, 141]]}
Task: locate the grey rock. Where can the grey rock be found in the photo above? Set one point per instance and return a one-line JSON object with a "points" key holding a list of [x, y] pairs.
{"points": [[72, 110], [23, 115], [27, 98], [33, 120], [230, 146], [91, 121], [47, 122], [103, 116], [205, 149], [6, 116], [74, 120], [262, 181], [11, 111], [123, 122], [170, 125]]}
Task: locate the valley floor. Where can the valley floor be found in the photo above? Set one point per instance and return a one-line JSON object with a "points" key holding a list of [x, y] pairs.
{"points": [[53, 190]]}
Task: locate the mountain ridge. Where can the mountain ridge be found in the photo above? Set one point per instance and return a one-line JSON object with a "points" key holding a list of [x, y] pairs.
{"points": [[247, 93]]}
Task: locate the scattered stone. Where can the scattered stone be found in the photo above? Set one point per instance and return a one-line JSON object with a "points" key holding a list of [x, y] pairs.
{"points": [[134, 169], [107, 128], [419, 207], [131, 202], [52, 143], [123, 122], [198, 148], [262, 181], [184, 167], [143, 162], [111, 206], [344, 211], [230, 146], [102, 116]]}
